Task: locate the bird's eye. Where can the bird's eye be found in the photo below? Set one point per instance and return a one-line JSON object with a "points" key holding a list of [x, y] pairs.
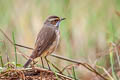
{"points": [[54, 22]]}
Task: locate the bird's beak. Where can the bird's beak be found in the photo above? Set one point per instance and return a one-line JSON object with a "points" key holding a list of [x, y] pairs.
{"points": [[62, 19]]}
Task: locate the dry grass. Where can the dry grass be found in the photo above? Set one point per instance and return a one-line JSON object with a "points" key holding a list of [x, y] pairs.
{"points": [[31, 74]]}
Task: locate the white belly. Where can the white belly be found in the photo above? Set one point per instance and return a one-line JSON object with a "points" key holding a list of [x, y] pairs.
{"points": [[55, 43], [58, 37]]}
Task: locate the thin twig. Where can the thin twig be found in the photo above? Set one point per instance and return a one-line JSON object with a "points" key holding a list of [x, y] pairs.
{"points": [[6, 36], [105, 72], [24, 46], [67, 67], [116, 51], [26, 57]]}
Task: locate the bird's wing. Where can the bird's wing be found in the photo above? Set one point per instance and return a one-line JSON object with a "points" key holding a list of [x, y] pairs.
{"points": [[45, 38]]}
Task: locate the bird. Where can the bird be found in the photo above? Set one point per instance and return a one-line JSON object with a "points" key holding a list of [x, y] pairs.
{"points": [[47, 39]]}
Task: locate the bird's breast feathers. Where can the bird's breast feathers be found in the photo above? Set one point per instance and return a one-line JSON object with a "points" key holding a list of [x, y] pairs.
{"points": [[54, 45]]}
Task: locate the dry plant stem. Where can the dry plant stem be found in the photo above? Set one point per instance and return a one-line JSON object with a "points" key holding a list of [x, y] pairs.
{"points": [[51, 64], [55, 67], [80, 63], [106, 72], [63, 58], [24, 46], [68, 73], [26, 57], [77, 62], [116, 51], [67, 67]]}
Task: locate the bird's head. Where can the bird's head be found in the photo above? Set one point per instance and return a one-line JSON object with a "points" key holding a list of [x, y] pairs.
{"points": [[54, 20]]}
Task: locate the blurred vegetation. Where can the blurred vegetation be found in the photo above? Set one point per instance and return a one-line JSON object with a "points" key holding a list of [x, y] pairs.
{"points": [[88, 32]]}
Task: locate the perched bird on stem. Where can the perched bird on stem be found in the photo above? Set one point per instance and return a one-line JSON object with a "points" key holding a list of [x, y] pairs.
{"points": [[47, 40]]}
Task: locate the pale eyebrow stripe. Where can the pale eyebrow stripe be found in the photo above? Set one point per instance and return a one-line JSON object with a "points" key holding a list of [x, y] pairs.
{"points": [[53, 19]]}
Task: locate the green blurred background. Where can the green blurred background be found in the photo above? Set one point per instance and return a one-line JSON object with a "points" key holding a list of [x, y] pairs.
{"points": [[85, 35]]}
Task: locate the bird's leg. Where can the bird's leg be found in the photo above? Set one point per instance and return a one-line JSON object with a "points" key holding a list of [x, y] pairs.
{"points": [[32, 64], [56, 67], [52, 65], [47, 62], [42, 62]]}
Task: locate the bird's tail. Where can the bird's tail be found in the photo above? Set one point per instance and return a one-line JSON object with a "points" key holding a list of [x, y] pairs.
{"points": [[27, 63]]}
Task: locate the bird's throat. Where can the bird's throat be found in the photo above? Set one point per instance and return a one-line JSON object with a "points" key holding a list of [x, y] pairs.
{"points": [[57, 24]]}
